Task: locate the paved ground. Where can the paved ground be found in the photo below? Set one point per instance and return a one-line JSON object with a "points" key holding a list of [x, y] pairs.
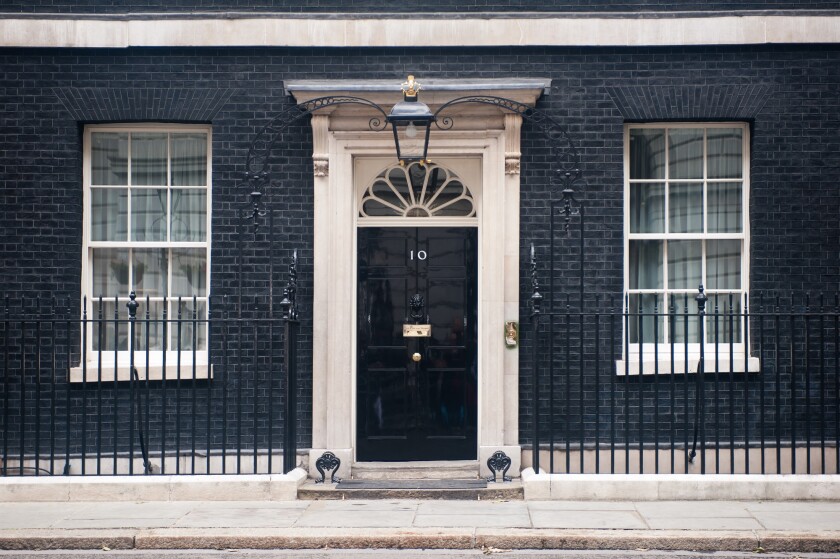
{"points": [[702, 526]]}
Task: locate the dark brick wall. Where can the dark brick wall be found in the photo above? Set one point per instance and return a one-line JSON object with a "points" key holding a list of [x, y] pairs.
{"points": [[795, 144], [377, 6]]}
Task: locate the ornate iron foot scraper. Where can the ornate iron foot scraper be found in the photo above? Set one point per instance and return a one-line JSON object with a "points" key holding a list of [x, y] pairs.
{"points": [[499, 462], [328, 462]]}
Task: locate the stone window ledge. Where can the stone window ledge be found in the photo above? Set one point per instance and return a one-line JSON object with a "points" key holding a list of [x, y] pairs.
{"points": [[721, 364], [91, 373]]}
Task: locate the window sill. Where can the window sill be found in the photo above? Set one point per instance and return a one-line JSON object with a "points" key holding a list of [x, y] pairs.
{"points": [[91, 374], [712, 365]]}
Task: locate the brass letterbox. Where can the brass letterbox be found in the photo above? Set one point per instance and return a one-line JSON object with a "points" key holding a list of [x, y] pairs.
{"points": [[417, 330]]}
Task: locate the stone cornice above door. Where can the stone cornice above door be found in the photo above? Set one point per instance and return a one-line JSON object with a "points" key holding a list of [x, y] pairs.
{"points": [[434, 92]]}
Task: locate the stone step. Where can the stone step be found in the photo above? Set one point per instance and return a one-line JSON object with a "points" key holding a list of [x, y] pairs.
{"points": [[507, 491], [462, 469]]}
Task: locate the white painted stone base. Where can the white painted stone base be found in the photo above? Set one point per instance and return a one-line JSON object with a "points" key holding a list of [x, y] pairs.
{"points": [[343, 454], [675, 487], [274, 487], [513, 452]]}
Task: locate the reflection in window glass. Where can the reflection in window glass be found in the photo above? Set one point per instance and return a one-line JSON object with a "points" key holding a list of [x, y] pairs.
{"points": [[109, 158], [189, 215], [148, 159], [148, 214], [725, 207], [647, 153], [685, 153], [685, 264], [108, 209], [647, 208]]}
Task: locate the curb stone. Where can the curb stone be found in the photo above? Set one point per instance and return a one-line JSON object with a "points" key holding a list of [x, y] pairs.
{"points": [[466, 538]]}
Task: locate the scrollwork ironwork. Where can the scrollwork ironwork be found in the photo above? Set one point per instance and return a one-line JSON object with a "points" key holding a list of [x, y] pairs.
{"points": [[254, 210], [328, 462], [256, 168], [570, 206], [536, 298], [563, 148], [289, 302], [499, 462]]}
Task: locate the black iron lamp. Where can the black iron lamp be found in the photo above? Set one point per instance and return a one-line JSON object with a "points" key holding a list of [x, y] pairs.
{"points": [[411, 122]]}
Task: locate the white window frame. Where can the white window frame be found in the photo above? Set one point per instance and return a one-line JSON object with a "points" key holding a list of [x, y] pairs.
{"points": [[656, 358], [115, 365]]}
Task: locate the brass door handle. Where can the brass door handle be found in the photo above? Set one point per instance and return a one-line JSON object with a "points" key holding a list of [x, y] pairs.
{"points": [[416, 357]]}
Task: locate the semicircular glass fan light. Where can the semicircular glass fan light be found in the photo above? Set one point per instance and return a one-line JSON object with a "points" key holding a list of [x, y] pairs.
{"points": [[417, 190]]}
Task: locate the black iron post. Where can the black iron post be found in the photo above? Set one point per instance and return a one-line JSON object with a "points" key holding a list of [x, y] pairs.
{"points": [[536, 301], [699, 419], [290, 328]]}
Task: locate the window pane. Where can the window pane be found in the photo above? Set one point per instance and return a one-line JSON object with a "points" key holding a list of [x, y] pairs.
{"points": [[189, 215], [109, 270], [148, 214], [105, 331], [683, 327], [108, 209], [189, 159], [190, 324], [646, 265], [723, 326], [685, 153], [723, 264], [151, 333], [647, 208], [647, 153], [648, 325], [109, 158], [724, 153], [685, 207], [725, 207], [149, 268], [189, 272], [685, 264], [148, 159]]}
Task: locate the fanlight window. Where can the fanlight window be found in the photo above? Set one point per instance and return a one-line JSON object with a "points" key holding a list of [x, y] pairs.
{"points": [[417, 190]]}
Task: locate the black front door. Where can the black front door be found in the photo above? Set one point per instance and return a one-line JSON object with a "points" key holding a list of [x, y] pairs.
{"points": [[417, 395]]}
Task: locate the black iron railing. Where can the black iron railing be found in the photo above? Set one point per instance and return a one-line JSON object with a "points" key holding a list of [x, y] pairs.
{"points": [[704, 383], [211, 390]]}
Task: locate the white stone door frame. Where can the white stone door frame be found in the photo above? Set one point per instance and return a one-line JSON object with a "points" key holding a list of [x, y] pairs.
{"points": [[338, 139]]}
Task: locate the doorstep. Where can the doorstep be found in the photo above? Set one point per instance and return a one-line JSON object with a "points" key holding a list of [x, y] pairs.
{"points": [[419, 489]]}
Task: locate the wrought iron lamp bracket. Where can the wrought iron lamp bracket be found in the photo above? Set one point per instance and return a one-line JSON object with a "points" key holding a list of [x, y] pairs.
{"points": [[289, 302], [567, 159], [257, 174], [536, 297]]}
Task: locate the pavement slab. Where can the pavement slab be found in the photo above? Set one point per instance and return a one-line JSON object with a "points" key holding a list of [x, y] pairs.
{"points": [[804, 521], [624, 520], [424, 524], [693, 509]]}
